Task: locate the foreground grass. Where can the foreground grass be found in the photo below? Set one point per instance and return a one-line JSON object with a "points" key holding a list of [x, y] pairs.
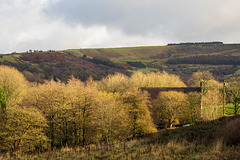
{"points": [[138, 149], [204, 141]]}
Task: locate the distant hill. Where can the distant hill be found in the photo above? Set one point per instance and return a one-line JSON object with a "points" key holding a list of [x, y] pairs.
{"points": [[182, 59], [39, 66]]}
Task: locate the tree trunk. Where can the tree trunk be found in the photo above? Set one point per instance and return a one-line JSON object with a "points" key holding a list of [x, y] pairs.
{"points": [[170, 123]]}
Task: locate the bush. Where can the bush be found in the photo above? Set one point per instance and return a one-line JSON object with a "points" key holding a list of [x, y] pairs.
{"points": [[230, 132]]}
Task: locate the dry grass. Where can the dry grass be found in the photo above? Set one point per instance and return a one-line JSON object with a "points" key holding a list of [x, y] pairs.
{"points": [[230, 132], [138, 150], [207, 141]]}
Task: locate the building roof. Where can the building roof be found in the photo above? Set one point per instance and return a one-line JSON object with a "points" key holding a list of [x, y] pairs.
{"points": [[154, 91]]}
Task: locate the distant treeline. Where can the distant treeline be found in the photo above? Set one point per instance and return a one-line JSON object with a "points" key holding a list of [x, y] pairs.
{"points": [[195, 43], [210, 59], [137, 64], [103, 61]]}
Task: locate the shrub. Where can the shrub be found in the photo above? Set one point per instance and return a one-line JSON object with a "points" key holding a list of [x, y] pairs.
{"points": [[230, 132]]}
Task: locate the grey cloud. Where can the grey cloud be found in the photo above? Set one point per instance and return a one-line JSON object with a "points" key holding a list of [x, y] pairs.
{"points": [[176, 19], [131, 16]]}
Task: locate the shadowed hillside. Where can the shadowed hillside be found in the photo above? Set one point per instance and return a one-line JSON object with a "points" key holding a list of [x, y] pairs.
{"points": [[182, 59], [40, 66]]}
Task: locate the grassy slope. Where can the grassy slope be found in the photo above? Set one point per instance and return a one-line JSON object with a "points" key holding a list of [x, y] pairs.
{"points": [[118, 54], [152, 53], [155, 57], [202, 141], [162, 52], [158, 53]]}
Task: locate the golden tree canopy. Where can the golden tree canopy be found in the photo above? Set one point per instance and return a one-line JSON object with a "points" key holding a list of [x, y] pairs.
{"points": [[13, 84], [156, 79]]}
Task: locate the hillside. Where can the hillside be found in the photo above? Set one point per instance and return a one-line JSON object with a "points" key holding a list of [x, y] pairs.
{"points": [[206, 141], [181, 59], [39, 66]]}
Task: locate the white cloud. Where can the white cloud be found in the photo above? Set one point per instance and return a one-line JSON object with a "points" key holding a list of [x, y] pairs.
{"points": [[24, 26], [62, 24]]}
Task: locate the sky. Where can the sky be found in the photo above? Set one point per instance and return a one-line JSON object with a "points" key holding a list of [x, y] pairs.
{"points": [[74, 24]]}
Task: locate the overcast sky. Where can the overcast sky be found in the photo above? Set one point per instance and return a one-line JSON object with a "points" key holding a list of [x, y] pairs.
{"points": [[65, 24]]}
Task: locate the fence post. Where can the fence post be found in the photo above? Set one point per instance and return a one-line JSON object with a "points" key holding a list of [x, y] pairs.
{"points": [[224, 92]]}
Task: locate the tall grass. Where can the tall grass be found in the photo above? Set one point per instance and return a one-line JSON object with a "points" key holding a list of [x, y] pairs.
{"points": [[209, 141], [230, 132], [136, 149]]}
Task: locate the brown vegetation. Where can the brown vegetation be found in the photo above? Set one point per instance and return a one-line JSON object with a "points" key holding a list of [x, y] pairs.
{"points": [[230, 132], [196, 142], [55, 115], [38, 66]]}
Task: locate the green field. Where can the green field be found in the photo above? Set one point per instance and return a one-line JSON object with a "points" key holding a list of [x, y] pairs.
{"points": [[229, 109]]}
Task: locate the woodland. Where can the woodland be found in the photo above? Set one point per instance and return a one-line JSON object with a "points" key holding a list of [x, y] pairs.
{"points": [[88, 103], [39, 117]]}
